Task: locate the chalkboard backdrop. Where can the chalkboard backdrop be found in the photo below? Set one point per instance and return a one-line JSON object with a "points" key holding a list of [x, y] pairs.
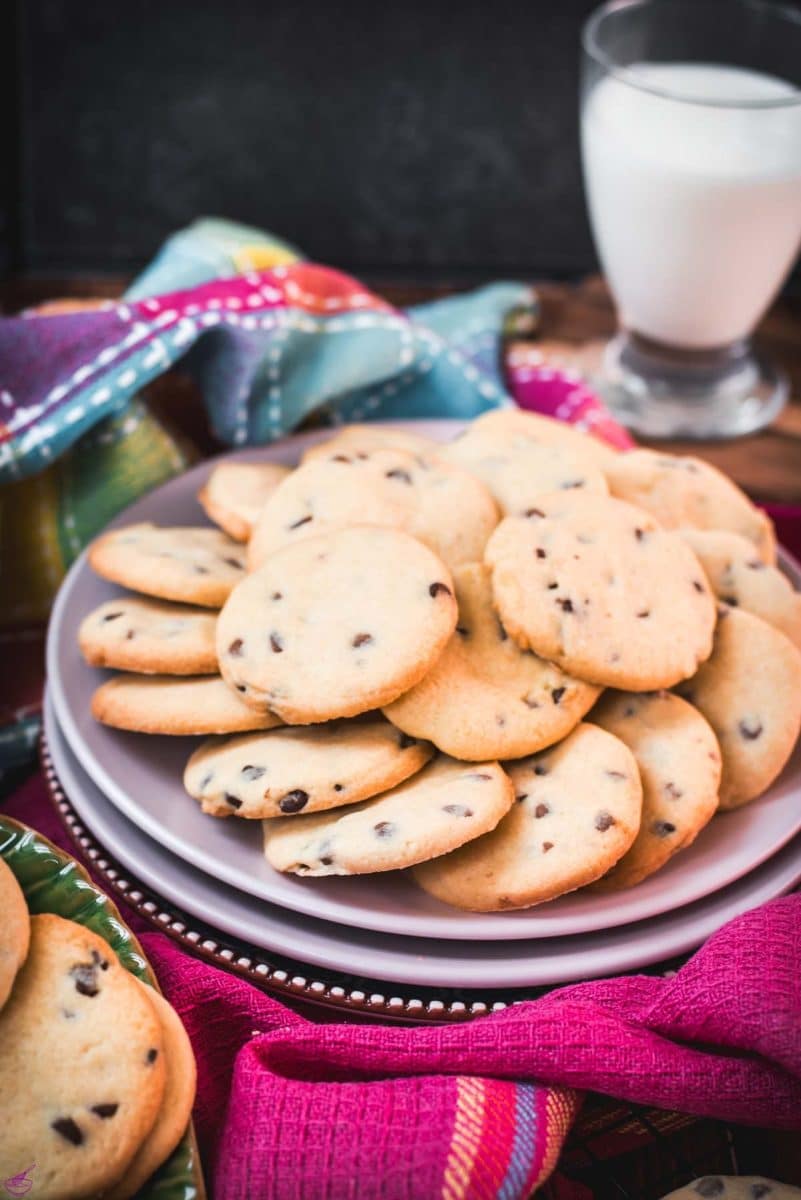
{"points": [[419, 139]]}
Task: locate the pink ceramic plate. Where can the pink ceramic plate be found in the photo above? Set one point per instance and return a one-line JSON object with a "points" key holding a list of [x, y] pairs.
{"points": [[141, 775]]}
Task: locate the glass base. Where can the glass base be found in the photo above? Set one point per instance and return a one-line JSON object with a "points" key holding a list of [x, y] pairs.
{"points": [[660, 392]]}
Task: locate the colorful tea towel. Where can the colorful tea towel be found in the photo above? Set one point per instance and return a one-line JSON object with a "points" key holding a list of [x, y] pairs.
{"points": [[271, 341]]}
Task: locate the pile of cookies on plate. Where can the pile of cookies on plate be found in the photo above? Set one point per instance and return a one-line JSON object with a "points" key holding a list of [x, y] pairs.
{"points": [[96, 1066], [518, 663]]}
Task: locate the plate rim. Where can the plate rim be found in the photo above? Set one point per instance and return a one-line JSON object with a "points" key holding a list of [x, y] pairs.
{"points": [[565, 971], [530, 923]]}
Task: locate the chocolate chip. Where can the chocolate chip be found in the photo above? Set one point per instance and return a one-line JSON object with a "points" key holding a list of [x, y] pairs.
{"points": [[235, 649], [710, 1185], [616, 774], [68, 1130], [671, 790], [293, 801], [99, 961], [546, 846], [523, 796], [540, 553], [645, 612], [574, 483], [732, 601], [384, 829], [276, 644], [565, 604], [478, 775], [530, 702], [302, 521], [404, 741], [557, 694], [250, 773], [234, 562], [552, 586], [85, 976], [104, 1111], [663, 828], [540, 769], [457, 810], [130, 635], [750, 730], [241, 687], [436, 588], [699, 587], [534, 512], [639, 534], [397, 473], [339, 787], [604, 820], [151, 1056], [326, 860], [340, 458], [112, 616], [362, 639], [277, 596], [234, 801], [541, 810]]}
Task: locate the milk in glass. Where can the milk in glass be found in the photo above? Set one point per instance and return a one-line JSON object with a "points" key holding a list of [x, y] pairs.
{"points": [[695, 202]]}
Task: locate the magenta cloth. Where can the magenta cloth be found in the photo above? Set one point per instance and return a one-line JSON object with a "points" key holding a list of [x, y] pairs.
{"points": [[288, 1108]]}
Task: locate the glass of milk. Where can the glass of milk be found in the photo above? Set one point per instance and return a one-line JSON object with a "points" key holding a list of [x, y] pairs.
{"points": [[691, 145]]}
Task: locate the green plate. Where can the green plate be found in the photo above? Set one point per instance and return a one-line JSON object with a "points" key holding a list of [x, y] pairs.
{"points": [[53, 882]]}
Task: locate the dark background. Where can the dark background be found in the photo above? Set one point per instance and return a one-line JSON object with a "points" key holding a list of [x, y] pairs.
{"points": [[416, 140]]}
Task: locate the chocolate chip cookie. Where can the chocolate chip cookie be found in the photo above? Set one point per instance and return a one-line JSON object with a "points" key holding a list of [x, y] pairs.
{"points": [[337, 625], [188, 564], [750, 693], [83, 1052], [485, 697], [594, 585], [445, 805], [679, 761], [135, 633], [576, 813], [306, 769], [235, 493]]}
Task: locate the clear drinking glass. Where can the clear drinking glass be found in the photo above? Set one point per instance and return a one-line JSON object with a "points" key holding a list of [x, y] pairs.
{"points": [[691, 146]]}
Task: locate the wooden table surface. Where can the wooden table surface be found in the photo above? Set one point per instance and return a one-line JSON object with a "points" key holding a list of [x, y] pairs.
{"points": [[577, 321]]}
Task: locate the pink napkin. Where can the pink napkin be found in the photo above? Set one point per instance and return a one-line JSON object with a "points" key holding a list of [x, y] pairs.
{"points": [[289, 1109]]}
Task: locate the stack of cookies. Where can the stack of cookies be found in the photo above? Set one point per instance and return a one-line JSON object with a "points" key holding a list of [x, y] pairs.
{"points": [[99, 1065], [520, 663]]}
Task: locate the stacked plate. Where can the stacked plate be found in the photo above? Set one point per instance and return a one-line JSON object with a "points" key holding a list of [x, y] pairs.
{"points": [[127, 790]]}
